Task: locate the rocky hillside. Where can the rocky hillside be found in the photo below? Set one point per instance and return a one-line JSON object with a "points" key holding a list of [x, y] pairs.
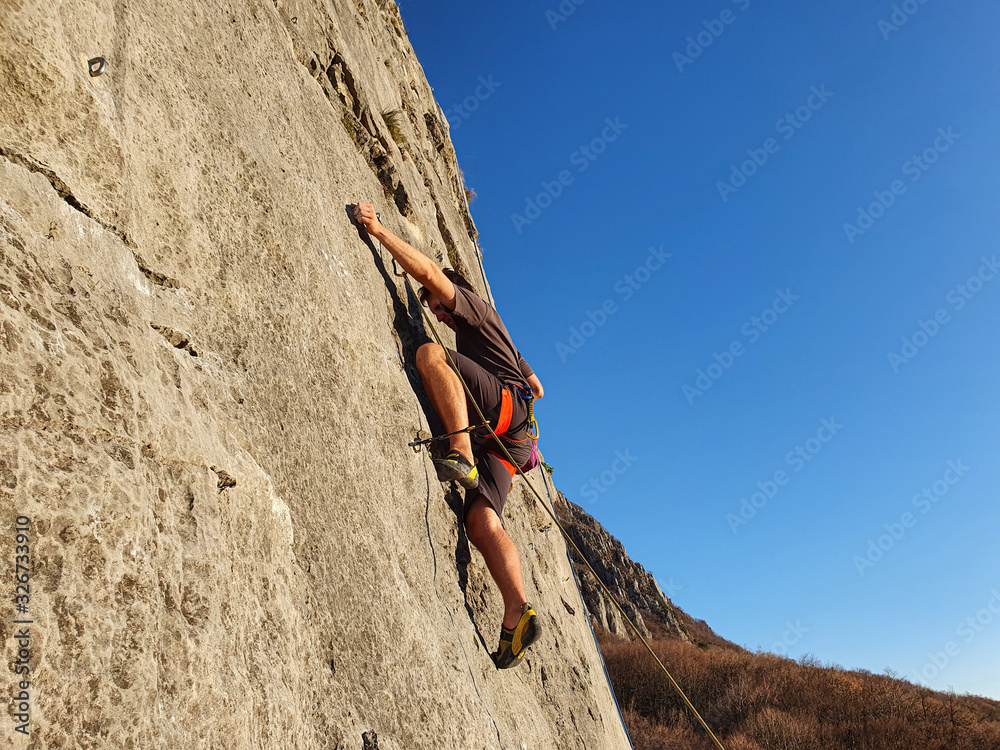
{"points": [[633, 586], [207, 386]]}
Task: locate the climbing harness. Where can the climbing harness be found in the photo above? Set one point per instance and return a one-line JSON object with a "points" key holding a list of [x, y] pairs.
{"points": [[503, 424], [528, 396], [509, 462]]}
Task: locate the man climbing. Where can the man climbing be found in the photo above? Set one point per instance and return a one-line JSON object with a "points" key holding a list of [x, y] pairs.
{"points": [[502, 384]]}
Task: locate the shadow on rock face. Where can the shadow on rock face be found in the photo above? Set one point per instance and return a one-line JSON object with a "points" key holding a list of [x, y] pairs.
{"points": [[407, 324], [463, 556]]}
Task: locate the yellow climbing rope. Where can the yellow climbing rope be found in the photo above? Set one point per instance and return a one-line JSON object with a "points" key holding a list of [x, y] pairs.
{"points": [[555, 520]]}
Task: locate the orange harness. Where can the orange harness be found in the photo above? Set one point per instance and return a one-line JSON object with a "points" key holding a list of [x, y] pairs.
{"points": [[503, 424], [506, 412]]}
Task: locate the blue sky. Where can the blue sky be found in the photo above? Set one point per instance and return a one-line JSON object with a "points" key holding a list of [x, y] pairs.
{"points": [[673, 185]]}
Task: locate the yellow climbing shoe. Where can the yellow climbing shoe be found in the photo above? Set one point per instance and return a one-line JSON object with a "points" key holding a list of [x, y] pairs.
{"points": [[513, 643], [454, 468]]}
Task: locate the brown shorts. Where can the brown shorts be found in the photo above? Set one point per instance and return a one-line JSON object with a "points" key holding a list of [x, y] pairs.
{"points": [[494, 478]]}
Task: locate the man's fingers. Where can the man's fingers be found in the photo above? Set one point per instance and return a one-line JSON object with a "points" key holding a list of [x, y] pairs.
{"points": [[364, 214]]}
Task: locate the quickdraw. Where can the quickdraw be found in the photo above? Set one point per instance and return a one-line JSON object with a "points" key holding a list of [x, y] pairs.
{"points": [[418, 443]]}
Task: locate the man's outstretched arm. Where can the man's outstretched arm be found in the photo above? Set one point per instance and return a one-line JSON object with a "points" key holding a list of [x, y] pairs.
{"points": [[414, 262]]}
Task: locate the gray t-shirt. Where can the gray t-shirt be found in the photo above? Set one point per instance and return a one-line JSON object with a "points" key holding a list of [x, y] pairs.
{"points": [[482, 337]]}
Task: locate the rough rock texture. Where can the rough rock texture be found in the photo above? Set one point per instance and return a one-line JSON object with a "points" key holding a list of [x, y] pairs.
{"points": [[633, 586], [207, 387]]}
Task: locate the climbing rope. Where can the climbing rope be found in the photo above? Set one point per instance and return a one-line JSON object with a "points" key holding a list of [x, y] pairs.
{"points": [[552, 514]]}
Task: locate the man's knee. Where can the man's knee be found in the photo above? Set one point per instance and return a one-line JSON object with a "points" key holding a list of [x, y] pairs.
{"points": [[481, 522], [428, 354]]}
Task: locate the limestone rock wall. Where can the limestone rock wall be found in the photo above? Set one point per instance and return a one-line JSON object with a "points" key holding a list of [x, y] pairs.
{"points": [[207, 387]]}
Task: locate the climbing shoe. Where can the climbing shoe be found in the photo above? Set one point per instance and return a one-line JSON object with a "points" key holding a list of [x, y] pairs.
{"points": [[513, 643], [454, 468]]}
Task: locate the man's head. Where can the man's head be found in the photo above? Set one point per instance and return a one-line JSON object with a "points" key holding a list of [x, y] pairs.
{"points": [[442, 313]]}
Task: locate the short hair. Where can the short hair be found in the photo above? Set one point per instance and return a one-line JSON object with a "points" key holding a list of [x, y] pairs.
{"points": [[423, 294]]}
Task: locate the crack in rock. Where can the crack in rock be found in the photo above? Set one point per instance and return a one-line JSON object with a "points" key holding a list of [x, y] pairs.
{"points": [[177, 339], [156, 277], [63, 190], [226, 480]]}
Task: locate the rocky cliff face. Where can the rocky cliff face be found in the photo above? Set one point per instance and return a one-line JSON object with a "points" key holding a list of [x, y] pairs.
{"points": [[207, 388], [633, 586]]}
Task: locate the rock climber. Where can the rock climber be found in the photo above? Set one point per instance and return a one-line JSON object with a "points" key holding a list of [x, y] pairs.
{"points": [[503, 385]]}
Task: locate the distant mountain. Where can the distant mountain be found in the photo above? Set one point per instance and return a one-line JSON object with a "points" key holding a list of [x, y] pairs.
{"points": [[637, 590]]}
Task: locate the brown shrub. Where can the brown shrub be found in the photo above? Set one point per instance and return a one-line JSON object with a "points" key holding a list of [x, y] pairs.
{"points": [[777, 730], [649, 736], [766, 702]]}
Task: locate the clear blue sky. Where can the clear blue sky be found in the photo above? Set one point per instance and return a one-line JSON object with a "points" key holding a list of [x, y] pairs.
{"points": [[811, 113]]}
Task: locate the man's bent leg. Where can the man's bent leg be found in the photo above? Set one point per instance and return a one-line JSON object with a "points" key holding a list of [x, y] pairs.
{"points": [[446, 394], [483, 527]]}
